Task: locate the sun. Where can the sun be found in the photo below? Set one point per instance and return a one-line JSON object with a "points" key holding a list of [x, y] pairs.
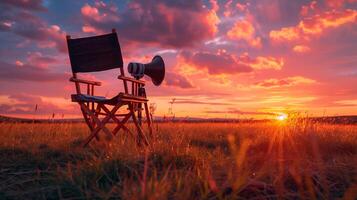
{"points": [[282, 117]]}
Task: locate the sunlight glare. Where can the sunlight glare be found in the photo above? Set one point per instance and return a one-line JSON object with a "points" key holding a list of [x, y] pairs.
{"points": [[282, 117]]}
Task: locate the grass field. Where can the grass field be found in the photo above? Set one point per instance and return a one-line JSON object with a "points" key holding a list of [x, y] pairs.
{"points": [[270, 160]]}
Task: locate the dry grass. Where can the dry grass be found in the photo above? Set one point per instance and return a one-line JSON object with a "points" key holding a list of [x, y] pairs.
{"points": [[291, 160]]}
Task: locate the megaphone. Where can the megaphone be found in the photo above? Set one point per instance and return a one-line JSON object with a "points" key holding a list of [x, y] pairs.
{"points": [[155, 70]]}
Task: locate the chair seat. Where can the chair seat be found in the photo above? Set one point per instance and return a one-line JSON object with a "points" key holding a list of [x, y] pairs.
{"points": [[121, 97]]}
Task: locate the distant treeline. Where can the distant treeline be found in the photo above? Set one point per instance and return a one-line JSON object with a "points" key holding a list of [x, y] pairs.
{"points": [[330, 120], [336, 120]]}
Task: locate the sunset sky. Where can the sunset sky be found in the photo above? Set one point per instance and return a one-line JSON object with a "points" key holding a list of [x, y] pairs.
{"points": [[252, 58]]}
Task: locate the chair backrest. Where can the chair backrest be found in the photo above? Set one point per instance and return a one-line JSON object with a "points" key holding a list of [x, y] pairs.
{"points": [[97, 53]]}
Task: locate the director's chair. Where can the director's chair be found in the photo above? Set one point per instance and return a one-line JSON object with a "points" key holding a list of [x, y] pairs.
{"points": [[100, 53]]}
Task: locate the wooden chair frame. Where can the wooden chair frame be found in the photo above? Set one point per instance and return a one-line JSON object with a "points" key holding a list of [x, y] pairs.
{"points": [[93, 107]]}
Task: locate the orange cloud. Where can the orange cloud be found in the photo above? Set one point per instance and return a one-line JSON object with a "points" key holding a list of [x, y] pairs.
{"points": [[333, 19], [301, 49], [262, 62], [268, 63], [315, 25], [244, 30], [285, 82], [285, 34]]}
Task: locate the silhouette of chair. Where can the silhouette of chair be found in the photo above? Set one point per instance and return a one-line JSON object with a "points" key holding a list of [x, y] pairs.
{"points": [[100, 53]]}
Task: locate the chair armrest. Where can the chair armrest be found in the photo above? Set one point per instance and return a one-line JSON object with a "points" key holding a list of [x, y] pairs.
{"points": [[85, 81], [131, 79]]}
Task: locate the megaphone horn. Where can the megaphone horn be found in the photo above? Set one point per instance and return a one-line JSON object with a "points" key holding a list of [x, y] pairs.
{"points": [[155, 70]]}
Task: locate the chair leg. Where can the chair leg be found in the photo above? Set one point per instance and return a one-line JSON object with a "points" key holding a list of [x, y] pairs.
{"points": [[148, 118], [138, 127], [100, 124], [97, 110], [86, 119], [120, 124]]}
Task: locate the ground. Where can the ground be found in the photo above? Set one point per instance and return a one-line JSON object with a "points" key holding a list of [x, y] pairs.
{"points": [[266, 160]]}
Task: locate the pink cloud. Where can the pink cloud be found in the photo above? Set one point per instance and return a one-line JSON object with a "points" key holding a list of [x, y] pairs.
{"points": [[26, 72], [32, 104], [19, 63], [219, 63], [225, 63], [108, 13], [161, 22], [244, 30], [214, 4], [335, 3], [241, 7], [307, 9], [36, 5], [38, 60], [177, 80], [270, 10], [34, 28], [90, 29]]}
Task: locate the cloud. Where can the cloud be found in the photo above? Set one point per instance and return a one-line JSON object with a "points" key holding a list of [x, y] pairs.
{"points": [[285, 34], [164, 23], [285, 82], [174, 79], [192, 101], [107, 14], [32, 104], [39, 60], [307, 9], [223, 63], [240, 112], [314, 26], [35, 5], [19, 63], [301, 49], [27, 72], [244, 30], [18, 20], [349, 102], [219, 63], [338, 3], [262, 62], [330, 19]]}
